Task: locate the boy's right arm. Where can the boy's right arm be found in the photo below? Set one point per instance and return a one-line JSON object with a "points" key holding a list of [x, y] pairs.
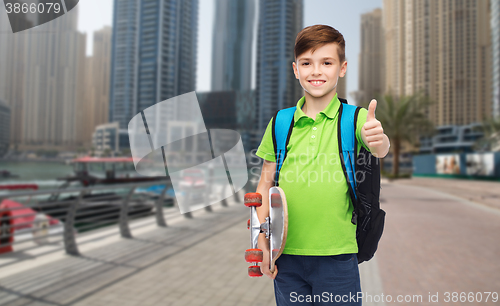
{"points": [[265, 183]]}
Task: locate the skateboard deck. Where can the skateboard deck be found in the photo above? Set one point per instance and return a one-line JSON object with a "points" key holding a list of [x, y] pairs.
{"points": [[275, 227], [278, 213]]}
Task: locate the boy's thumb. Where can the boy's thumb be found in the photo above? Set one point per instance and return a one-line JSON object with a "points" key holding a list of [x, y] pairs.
{"points": [[371, 110]]}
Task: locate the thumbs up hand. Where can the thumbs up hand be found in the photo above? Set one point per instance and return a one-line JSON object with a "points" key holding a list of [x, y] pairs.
{"points": [[372, 133]]}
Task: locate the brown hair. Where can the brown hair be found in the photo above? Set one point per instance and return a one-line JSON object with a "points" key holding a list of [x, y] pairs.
{"points": [[313, 37]]}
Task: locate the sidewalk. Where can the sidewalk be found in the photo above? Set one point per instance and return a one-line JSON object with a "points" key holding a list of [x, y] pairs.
{"points": [[197, 261], [433, 242], [483, 192], [436, 242]]}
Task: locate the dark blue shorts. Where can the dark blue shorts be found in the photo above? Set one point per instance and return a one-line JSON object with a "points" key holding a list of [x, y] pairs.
{"points": [[317, 280]]}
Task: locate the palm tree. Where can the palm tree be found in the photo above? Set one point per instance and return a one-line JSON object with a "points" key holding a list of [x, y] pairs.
{"points": [[491, 135], [404, 121]]}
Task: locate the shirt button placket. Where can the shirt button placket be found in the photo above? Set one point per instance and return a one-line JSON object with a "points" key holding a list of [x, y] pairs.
{"points": [[313, 134], [313, 141]]}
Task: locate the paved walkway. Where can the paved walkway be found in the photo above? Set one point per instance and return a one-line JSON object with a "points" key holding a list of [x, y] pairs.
{"points": [[484, 192], [433, 242], [195, 261], [436, 242]]}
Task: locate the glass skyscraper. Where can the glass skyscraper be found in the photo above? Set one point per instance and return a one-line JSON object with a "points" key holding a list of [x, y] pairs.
{"points": [[232, 45], [277, 88], [153, 54]]}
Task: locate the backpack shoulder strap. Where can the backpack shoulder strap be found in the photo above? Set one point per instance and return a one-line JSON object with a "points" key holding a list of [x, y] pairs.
{"points": [[348, 115], [282, 129]]}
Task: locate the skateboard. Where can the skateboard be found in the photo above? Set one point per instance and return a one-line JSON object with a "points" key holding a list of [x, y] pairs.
{"points": [[275, 227]]}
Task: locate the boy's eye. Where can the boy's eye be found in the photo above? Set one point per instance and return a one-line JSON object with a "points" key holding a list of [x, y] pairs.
{"points": [[304, 64], [328, 63]]}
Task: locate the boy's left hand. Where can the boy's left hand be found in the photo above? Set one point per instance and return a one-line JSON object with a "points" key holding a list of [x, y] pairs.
{"points": [[373, 135]]}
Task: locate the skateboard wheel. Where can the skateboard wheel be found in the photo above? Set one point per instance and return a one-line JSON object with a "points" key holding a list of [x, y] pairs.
{"points": [[253, 199], [253, 255], [254, 271], [275, 200]]}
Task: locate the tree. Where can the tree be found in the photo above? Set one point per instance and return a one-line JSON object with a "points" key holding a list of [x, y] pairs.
{"points": [[491, 136], [106, 153], [404, 121], [126, 152]]}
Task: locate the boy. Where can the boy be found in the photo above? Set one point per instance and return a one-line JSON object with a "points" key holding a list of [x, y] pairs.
{"points": [[319, 262]]}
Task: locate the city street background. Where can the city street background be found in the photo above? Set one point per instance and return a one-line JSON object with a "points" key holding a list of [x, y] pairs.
{"points": [[86, 229]]}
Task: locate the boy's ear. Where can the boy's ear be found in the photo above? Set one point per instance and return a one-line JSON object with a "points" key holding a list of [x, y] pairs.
{"points": [[294, 66], [343, 69]]}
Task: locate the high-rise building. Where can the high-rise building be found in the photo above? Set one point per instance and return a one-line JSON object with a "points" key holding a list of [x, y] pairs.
{"points": [[12, 71], [97, 84], [279, 23], [232, 45], [442, 48], [393, 24], [153, 54], [83, 97], [54, 76], [227, 109], [43, 77], [371, 57], [495, 35], [342, 87]]}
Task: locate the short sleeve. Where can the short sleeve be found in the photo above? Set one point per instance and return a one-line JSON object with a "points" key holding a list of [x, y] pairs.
{"points": [[266, 147], [362, 114]]}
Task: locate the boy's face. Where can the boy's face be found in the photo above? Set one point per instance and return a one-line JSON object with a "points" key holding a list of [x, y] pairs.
{"points": [[318, 72]]}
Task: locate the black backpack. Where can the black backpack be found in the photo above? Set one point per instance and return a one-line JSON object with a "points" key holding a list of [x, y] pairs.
{"points": [[362, 172]]}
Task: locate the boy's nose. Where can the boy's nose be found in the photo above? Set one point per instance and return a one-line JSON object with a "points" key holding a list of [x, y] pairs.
{"points": [[316, 70]]}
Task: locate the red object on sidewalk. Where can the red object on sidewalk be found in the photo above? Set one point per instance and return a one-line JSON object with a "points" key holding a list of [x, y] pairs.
{"points": [[15, 216], [22, 216], [19, 187], [6, 234]]}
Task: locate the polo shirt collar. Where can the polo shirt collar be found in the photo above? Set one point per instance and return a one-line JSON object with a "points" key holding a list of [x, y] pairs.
{"points": [[330, 111]]}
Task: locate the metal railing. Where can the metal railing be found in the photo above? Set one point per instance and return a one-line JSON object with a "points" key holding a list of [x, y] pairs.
{"points": [[37, 218]]}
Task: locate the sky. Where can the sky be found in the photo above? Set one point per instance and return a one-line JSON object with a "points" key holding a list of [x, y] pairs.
{"points": [[343, 15], [93, 15]]}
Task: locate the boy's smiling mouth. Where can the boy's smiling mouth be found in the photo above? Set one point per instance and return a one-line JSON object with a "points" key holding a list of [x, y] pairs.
{"points": [[317, 82]]}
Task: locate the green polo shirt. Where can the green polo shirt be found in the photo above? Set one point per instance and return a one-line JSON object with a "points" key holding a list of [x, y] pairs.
{"points": [[319, 207]]}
